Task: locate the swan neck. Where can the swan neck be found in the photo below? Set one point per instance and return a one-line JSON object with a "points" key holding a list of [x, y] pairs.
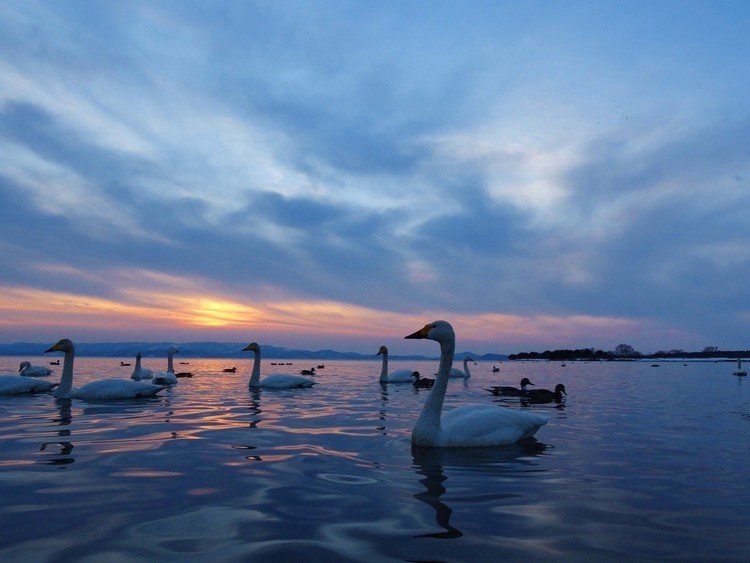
{"points": [[64, 390], [170, 364], [384, 369], [429, 419], [466, 368], [255, 376]]}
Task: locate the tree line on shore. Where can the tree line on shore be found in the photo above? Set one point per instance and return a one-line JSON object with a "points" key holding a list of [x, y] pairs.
{"points": [[625, 352]]}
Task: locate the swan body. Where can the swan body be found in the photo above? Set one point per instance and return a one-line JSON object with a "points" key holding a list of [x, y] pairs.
{"points": [[139, 372], [512, 391], [547, 396], [469, 425], [28, 369], [166, 377], [739, 371], [398, 376], [103, 389], [273, 380], [18, 384], [465, 373]]}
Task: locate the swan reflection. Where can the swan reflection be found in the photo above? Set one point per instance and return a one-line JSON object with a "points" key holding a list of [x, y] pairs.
{"points": [[63, 455], [433, 463]]}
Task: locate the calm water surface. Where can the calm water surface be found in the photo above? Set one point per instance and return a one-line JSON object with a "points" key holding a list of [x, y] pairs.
{"points": [[640, 463]]}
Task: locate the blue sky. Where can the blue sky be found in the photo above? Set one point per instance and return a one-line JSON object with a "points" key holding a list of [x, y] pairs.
{"points": [[336, 174]]}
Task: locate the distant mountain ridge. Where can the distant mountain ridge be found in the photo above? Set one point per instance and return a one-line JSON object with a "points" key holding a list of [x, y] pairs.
{"points": [[214, 350]]}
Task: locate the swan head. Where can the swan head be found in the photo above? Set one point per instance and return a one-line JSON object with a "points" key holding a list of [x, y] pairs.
{"points": [[138, 355], [173, 350], [252, 347], [525, 381], [382, 350], [440, 331], [560, 388], [23, 365], [416, 375], [63, 345]]}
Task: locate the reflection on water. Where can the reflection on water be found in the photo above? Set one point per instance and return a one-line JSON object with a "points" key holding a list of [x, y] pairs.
{"points": [[629, 466]]}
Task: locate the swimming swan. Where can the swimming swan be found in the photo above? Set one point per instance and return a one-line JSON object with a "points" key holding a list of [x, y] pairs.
{"points": [[274, 380], [166, 377], [512, 391], [469, 425], [139, 372], [739, 371], [101, 389], [465, 373], [18, 384], [398, 376], [27, 368]]}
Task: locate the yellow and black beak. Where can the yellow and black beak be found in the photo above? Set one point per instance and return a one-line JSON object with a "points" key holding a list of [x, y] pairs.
{"points": [[421, 333]]}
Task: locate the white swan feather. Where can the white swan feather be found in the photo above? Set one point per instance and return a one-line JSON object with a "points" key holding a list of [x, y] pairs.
{"points": [[398, 376], [18, 384], [166, 377], [273, 380], [141, 372], [29, 369], [103, 389], [469, 425]]}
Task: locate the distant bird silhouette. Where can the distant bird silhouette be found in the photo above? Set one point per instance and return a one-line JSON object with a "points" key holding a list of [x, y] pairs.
{"points": [[511, 391], [321, 366], [55, 363], [310, 371], [495, 369], [422, 382], [229, 370], [124, 364]]}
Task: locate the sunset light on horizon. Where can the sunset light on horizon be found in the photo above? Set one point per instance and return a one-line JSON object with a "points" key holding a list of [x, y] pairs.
{"points": [[542, 175]]}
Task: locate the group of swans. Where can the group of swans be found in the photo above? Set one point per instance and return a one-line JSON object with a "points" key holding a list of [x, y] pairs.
{"points": [[465, 426]]}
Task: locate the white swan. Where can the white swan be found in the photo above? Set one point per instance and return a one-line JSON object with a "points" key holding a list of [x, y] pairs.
{"points": [[139, 372], [27, 368], [101, 389], [274, 380], [455, 372], [17, 384], [469, 425], [398, 376], [739, 371], [166, 377]]}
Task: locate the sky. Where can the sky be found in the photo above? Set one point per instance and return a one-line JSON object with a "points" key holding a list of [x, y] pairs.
{"points": [[337, 174]]}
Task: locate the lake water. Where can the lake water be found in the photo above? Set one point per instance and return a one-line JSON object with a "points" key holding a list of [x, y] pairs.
{"points": [[639, 463]]}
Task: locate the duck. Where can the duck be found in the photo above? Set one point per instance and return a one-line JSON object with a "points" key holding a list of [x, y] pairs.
{"points": [[139, 372], [55, 363], [468, 425], [512, 391], [545, 395], [740, 372], [495, 369], [103, 389], [321, 366], [310, 371], [398, 376], [422, 382], [125, 363], [465, 373], [229, 370], [167, 377], [273, 380], [28, 369]]}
